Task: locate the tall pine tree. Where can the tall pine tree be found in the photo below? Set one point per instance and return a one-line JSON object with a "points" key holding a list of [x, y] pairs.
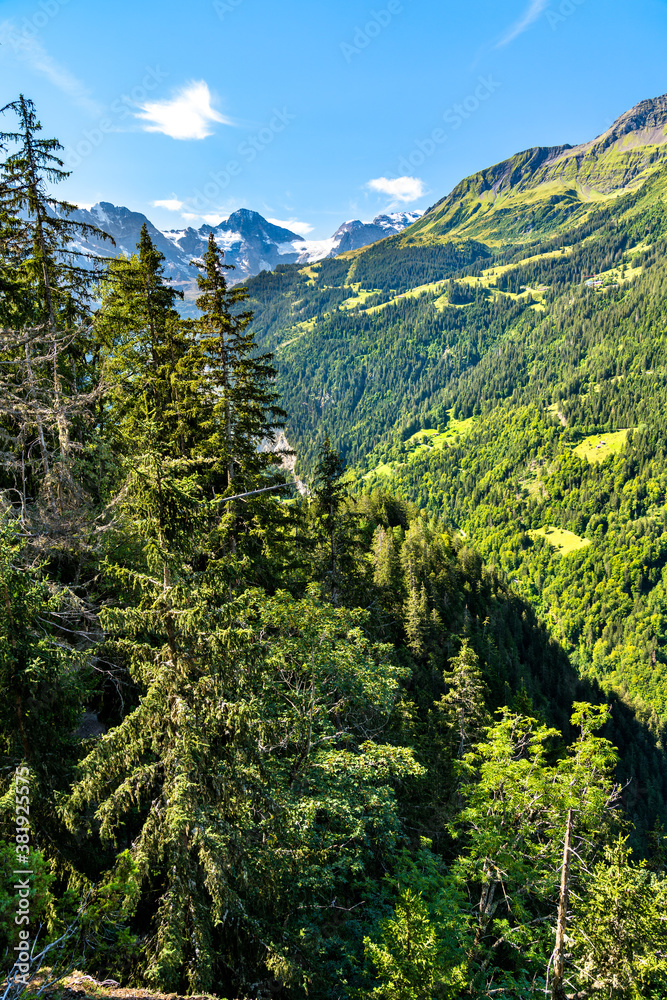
{"points": [[46, 388], [240, 414], [149, 354]]}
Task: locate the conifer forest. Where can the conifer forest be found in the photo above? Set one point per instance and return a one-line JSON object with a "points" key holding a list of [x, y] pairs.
{"points": [[333, 602]]}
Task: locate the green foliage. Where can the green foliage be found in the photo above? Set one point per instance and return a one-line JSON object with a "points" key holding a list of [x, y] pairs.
{"points": [[409, 960], [464, 704], [514, 820], [40, 895], [42, 222], [47, 380], [421, 949], [387, 265], [43, 682], [541, 371], [619, 935], [148, 357], [335, 523], [241, 410], [294, 786], [245, 779]]}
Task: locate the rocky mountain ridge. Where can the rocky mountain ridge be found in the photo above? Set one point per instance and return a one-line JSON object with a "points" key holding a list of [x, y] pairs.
{"points": [[545, 187], [250, 242]]}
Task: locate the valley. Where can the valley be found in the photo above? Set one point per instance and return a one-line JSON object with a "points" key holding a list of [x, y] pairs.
{"points": [[333, 631], [501, 363]]}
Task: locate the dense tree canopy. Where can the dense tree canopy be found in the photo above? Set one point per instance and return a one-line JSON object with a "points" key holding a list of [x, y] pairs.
{"points": [[290, 745]]}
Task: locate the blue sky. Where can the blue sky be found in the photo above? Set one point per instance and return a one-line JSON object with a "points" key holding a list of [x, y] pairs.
{"points": [[317, 111]]}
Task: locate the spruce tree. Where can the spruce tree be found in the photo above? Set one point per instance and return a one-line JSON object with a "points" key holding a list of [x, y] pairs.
{"points": [[517, 803], [243, 789], [329, 494], [49, 292], [63, 283], [190, 399], [416, 619], [464, 704], [337, 528], [240, 414], [618, 939], [15, 304], [149, 355]]}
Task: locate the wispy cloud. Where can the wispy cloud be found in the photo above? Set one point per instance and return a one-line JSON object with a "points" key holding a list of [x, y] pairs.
{"points": [[31, 51], [189, 114], [172, 204], [211, 219], [400, 188], [529, 16], [294, 225]]}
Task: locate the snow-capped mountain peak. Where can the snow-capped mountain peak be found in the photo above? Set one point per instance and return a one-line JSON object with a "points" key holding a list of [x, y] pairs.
{"points": [[249, 241]]}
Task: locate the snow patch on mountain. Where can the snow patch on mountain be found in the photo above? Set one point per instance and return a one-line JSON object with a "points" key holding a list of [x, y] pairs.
{"points": [[249, 241], [312, 250]]}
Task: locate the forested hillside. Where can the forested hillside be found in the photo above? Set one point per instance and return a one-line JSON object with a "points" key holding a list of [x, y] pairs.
{"points": [[515, 386], [258, 744]]}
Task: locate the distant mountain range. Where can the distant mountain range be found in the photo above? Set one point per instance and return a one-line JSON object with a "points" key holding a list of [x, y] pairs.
{"points": [[249, 241]]}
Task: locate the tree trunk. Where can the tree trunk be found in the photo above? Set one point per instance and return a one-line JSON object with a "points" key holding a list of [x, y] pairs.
{"points": [[557, 988], [486, 906], [61, 420], [40, 428]]}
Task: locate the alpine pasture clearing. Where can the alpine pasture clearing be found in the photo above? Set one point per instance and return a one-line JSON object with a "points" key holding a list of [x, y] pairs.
{"points": [[563, 541]]}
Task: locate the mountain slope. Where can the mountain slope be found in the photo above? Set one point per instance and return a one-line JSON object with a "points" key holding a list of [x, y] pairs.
{"points": [[546, 187], [515, 383]]}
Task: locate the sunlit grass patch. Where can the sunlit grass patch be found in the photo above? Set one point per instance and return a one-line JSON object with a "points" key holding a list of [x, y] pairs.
{"points": [[597, 447], [454, 430], [385, 471], [562, 540], [299, 329], [311, 273], [360, 297], [432, 438], [533, 487], [432, 288]]}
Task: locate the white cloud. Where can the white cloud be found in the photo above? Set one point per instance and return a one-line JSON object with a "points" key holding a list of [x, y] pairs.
{"points": [[213, 220], [302, 228], [187, 115], [32, 52], [400, 188], [171, 204], [529, 16]]}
